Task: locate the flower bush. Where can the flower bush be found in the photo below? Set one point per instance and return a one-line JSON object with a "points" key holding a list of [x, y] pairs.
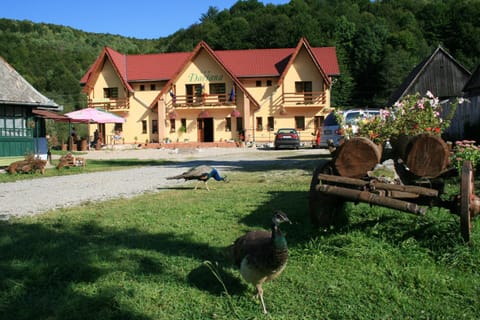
{"points": [[412, 115], [465, 150]]}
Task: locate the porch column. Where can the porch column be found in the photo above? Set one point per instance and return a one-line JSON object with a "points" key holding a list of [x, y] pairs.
{"points": [[161, 109], [246, 118]]}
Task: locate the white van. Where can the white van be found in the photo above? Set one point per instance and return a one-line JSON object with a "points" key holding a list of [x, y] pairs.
{"points": [[331, 129]]}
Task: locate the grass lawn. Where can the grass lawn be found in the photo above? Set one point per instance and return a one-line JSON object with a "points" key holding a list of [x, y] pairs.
{"points": [[161, 256]]}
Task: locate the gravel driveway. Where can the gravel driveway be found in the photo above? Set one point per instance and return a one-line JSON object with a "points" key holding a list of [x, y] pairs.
{"points": [[30, 197]]}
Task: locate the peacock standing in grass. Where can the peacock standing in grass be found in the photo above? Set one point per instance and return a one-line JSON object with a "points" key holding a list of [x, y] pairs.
{"points": [[200, 173], [261, 255]]}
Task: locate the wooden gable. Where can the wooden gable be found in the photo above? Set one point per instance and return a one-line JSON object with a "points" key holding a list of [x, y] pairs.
{"points": [[472, 87], [439, 73]]}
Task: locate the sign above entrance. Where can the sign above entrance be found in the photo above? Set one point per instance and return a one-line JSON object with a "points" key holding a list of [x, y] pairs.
{"points": [[204, 76]]}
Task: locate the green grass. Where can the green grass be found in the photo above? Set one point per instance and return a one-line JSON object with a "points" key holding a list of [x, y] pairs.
{"points": [[161, 256]]}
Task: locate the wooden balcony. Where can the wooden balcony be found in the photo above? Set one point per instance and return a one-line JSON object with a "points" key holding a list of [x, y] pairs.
{"points": [[110, 104], [201, 101], [304, 98]]}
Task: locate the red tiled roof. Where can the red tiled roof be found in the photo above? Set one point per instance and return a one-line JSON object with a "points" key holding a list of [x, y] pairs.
{"points": [[242, 63], [160, 66], [271, 62]]}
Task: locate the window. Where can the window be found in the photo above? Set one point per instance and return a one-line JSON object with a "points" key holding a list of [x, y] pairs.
{"points": [[259, 123], [300, 123], [305, 88], [142, 87], [271, 123], [13, 121], [228, 124], [269, 83], [258, 83], [172, 125], [118, 127], [153, 87], [219, 90], [154, 126], [144, 126], [194, 93], [110, 93]]}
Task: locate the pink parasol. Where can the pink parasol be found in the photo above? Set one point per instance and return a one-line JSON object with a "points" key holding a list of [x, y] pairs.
{"points": [[95, 115]]}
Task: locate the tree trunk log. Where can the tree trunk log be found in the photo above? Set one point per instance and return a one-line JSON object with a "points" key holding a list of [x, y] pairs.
{"points": [[356, 157], [427, 155]]}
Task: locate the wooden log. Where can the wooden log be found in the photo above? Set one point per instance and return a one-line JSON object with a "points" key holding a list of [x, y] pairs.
{"points": [[379, 185], [371, 198], [356, 157], [427, 155]]}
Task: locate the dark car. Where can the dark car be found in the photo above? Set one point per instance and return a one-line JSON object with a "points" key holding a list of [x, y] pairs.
{"points": [[287, 138]]}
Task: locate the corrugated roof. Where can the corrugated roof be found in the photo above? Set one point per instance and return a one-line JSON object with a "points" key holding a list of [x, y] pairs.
{"points": [[14, 89]]}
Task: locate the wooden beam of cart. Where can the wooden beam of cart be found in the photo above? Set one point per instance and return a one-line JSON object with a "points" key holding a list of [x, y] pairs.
{"points": [[378, 185], [372, 198]]}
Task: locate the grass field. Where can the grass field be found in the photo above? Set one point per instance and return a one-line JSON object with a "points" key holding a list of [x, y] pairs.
{"points": [[161, 256]]}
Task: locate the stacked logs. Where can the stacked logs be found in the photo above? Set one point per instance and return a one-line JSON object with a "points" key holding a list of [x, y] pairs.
{"points": [[29, 165]]}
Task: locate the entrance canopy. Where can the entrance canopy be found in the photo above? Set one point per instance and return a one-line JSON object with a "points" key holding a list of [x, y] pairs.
{"points": [[95, 115]]}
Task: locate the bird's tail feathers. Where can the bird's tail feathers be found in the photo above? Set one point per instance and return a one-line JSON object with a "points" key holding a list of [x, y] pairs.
{"points": [[180, 176]]}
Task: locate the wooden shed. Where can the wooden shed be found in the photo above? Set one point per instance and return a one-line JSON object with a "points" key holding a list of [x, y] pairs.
{"points": [[472, 104], [445, 77], [22, 129]]}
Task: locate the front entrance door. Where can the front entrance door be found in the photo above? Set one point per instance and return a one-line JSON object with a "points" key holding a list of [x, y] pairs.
{"points": [[205, 130]]}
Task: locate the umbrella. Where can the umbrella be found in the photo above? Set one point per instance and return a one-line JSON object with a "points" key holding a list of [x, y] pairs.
{"points": [[95, 115]]}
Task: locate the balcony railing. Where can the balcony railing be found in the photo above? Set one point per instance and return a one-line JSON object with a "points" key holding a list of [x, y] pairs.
{"points": [[203, 100], [110, 104], [304, 98]]}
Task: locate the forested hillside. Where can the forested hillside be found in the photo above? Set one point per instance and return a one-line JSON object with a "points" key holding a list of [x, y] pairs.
{"points": [[378, 43]]}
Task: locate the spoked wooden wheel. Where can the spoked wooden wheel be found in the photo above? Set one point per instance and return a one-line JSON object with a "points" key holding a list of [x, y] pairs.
{"points": [[466, 197]]}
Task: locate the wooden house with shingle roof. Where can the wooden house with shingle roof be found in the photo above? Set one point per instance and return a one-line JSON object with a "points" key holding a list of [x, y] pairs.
{"points": [[472, 106], [443, 76], [22, 115], [213, 95]]}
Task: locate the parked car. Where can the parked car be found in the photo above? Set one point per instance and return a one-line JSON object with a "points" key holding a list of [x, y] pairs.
{"points": [[331, 129], [287, 138]]}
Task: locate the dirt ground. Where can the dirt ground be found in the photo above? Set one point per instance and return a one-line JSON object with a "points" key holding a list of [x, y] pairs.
{"points": [[36, 196]]}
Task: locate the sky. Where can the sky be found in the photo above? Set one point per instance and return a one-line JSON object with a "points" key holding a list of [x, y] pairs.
{"points": [[145, 19]]}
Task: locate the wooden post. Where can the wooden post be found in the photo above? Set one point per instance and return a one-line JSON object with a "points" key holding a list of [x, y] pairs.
{"points": [[372, 198]]}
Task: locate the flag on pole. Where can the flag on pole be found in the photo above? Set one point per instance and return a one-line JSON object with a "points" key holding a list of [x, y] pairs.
{"points": [[232, 94], [174, 96]]}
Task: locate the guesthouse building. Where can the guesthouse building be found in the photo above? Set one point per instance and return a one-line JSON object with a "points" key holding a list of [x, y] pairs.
{"points": [[213, 95]]}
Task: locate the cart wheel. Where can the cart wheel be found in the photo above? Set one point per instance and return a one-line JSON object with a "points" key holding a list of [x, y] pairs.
{"points": [[466, 196], [324, 210]]}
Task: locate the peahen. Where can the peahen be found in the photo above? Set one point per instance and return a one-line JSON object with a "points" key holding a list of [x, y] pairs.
{"points": [[200, 173], [261, 255]]}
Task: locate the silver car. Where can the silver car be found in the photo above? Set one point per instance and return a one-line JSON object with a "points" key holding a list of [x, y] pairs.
{"points": [[333, 132]]}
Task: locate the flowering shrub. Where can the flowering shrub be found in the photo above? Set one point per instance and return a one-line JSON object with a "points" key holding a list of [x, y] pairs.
{"points": [[410, 116], [376, 128], [415, 114], [465, 150]]}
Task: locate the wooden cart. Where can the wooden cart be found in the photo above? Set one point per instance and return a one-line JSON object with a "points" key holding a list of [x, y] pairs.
{"points": [[421, 162]]}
